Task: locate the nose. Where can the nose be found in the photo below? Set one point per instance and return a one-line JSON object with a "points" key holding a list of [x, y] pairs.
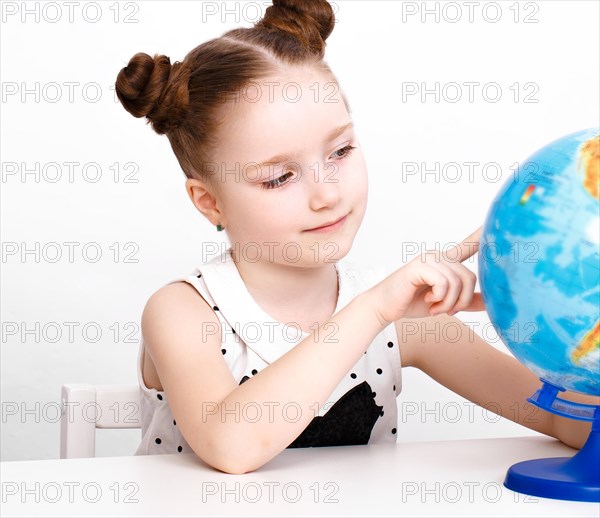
{"points": [[324, 186]]}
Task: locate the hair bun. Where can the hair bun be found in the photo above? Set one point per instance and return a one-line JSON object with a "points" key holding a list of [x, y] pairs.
{"points": [[310, 21], [151, 87]]}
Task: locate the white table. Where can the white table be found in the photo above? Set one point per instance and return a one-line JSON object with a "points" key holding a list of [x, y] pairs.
{"points": [[446, 478]]}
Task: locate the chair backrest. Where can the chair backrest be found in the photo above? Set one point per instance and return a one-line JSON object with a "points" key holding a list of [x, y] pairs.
{"points": [[86, 407]]}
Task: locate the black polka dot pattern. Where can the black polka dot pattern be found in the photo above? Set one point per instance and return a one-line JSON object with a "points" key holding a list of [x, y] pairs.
{"points": [[375, 373]]}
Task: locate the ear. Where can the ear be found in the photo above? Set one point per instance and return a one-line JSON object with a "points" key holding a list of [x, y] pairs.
{"points": [[204, 200]]}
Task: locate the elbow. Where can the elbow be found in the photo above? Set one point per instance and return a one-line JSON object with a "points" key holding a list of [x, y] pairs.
{"points": [[239, 464], [232, 463], [236, 470], [222, 464], [235, 467], [229, 459]]}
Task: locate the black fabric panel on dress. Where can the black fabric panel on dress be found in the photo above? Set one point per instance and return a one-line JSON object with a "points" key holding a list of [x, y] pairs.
{"points": [[349, 422]]}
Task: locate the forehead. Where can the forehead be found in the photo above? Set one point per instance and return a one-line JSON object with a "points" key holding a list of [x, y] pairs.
{"points": [[281, 113]]}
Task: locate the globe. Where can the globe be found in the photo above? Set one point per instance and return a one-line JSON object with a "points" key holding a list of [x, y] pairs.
{"points": [[539, 262]]}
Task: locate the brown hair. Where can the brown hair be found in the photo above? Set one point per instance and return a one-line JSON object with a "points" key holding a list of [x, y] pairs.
{"points": [[186, 100]]}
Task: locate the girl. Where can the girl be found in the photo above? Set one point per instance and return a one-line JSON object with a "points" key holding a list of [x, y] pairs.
{"points": [[275, 343]]}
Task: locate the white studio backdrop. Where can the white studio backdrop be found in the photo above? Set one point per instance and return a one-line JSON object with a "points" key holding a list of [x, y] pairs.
{"points": [[447, 98]]}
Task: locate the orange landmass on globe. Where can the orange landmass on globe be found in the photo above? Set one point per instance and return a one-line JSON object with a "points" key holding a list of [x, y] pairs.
{"points": [[589, 342], [590, 156]]}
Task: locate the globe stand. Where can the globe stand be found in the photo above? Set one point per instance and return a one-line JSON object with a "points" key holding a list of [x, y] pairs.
{"points": [[564, 478]]}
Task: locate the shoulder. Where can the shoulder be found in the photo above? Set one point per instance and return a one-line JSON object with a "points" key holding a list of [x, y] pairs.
{"points": [[175, 296], [176, 305]]}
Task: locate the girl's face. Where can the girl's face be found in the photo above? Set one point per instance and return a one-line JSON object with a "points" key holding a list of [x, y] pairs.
{"points": [[269, 208]]}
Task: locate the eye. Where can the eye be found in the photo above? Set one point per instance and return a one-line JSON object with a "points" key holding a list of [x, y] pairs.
{"points": [[347, 150], [275, 184], [279, 182]]}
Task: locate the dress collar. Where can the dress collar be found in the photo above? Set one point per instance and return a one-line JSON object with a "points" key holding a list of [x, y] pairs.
{"points": [[262, 333]]}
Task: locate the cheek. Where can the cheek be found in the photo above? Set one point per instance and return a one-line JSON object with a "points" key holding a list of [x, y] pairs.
{"points": [[268, 212], [356, 174]]}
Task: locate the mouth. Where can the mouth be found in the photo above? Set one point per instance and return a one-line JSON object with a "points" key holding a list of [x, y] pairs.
{"points": [[328, 227]]}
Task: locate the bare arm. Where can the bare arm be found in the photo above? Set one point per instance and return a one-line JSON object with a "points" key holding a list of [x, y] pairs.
{"points": [[205, 399], [484, 375], [194, 374]]}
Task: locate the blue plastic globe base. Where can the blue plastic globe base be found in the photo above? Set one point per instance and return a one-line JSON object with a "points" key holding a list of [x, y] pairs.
{"points": [[564, 478]]}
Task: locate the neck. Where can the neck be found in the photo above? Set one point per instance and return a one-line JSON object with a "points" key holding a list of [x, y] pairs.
{"points": [[290, 288]]}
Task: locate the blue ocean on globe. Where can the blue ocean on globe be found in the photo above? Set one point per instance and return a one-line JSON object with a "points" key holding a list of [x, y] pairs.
{"points": [[539, 262]]}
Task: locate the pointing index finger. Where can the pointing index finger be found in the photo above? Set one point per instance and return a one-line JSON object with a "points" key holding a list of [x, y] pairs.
{"points": [[466, 248]]}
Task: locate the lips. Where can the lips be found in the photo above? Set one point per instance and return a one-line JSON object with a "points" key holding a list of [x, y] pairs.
{"points": [[328, 224]]}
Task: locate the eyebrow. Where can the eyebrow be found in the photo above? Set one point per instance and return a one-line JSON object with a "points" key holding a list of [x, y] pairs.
{"points": [[287, 157]]}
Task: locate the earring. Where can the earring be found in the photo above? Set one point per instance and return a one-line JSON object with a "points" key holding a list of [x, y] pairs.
{"points": [[219, 228]]}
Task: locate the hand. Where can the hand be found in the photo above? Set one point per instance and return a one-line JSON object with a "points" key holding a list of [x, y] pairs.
{"points": [[430, 284]]}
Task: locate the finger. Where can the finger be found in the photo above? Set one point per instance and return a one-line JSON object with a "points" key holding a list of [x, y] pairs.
{"points": [[433, 278], [439, 286], [453, 290], [469, 279], [465, 249], [476, 304]]}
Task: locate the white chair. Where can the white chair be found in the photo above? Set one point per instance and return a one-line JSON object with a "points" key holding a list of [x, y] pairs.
{"points": [[86, 407]]}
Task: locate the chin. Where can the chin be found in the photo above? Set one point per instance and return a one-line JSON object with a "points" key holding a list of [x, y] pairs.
{"points": [[330, 251]]}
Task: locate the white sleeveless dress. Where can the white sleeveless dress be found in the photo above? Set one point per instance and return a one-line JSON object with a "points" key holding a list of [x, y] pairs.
{"points": [[362, 408]]}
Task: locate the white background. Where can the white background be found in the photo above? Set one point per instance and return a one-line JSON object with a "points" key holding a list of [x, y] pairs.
{"points": [[376, 50]]}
